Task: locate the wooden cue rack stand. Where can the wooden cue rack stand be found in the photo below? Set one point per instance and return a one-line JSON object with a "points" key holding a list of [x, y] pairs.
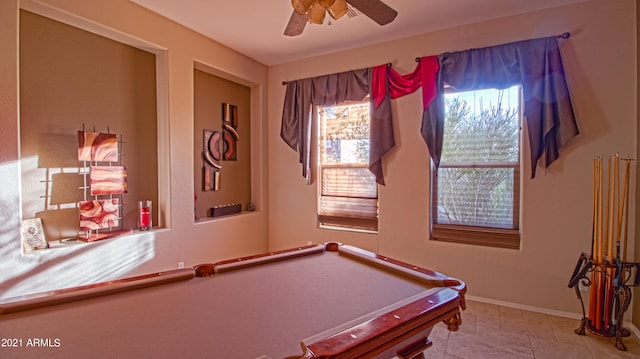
{"points": [[610, 285], [606, 273]]}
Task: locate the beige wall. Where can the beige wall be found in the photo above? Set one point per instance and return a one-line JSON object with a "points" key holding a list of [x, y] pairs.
{"points": [[210, 92], [600, 62], [177, 51]]}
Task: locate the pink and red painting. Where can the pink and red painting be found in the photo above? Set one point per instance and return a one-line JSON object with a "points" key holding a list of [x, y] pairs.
{"points": [[99, 214], [96, 146], [108, 180]]}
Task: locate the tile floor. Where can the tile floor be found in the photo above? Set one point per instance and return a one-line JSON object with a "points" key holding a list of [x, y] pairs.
{"points": [[497, 332]]}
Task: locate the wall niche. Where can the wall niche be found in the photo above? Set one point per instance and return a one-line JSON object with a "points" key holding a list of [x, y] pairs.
{"points": [[70, 80], [222, 146]]}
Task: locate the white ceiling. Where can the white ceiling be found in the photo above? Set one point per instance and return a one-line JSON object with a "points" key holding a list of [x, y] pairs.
{"points": [[255, 27]]}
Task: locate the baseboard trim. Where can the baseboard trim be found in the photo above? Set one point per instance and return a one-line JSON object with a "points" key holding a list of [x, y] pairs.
{"points": [[633, 328], [558, 313]]}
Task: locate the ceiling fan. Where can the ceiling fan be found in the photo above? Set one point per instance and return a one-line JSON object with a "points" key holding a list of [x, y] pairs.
{"points": [[313, 11]]}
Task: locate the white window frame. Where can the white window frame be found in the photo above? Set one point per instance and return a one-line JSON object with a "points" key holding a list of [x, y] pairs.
{"points": [[350, 212], [482, 235]]}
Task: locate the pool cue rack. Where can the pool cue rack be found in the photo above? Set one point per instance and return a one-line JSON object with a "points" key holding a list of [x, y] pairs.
{"points": [[610, 285], [606, 273]]}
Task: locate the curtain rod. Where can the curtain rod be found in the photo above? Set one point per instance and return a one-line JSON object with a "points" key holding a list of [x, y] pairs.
{"points": [[564, 35], [285, 82]]}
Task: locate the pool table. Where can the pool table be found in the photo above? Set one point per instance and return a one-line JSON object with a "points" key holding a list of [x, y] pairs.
{"points": [[316, 301]]}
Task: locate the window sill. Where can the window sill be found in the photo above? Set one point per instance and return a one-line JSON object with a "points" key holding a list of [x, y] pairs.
{"points": [[348, 223], [482, 236], [347, 229]]}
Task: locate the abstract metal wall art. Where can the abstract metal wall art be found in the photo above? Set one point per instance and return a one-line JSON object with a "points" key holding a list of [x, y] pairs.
{"points": [[211, 148], [211, 152], [211, 179], [105, 179], [230, 132], [218, 146]]}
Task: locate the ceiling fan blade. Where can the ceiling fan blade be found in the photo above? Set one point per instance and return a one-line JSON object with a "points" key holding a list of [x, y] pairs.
{"points": [[296, 24], [375, 9]]}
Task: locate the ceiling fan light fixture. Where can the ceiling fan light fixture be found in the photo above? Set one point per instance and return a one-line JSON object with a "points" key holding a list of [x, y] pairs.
{"points": [[301, 6], [316, 14], [338, 9], [326, 3]]}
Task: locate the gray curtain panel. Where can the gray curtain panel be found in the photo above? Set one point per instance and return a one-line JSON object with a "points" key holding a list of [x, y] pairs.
{"points": [[328, 90], [536, 65]]}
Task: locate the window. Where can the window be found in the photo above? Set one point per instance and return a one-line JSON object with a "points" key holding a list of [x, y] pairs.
{"points": [[476, 190], [347, 191]]}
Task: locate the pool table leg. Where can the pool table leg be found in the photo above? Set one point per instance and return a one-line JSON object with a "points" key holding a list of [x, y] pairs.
{"points": [[453, 322]]}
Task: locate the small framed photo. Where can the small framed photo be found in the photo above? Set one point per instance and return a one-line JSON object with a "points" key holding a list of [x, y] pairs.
{"points": [[33, 235]]}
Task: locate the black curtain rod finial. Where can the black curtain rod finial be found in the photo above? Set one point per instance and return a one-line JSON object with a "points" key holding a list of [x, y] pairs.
{"points": [[565, 35]]}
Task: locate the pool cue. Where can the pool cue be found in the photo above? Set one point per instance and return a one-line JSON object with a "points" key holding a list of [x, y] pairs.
{"points": [[622, 199], [625, 211], [594, 212], [611, 204], [599, 223], [596, 275], [608, 233], [594, 238], [613, 246], [600, 209], [611, 254], [623, 205]]}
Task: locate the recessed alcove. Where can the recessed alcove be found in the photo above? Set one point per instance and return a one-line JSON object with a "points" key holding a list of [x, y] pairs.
{"points": [[222, 144], [71, 80]]}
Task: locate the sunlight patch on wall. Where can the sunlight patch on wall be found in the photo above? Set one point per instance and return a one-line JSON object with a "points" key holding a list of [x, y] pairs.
{"points": [[66, 263], [74, 263]]}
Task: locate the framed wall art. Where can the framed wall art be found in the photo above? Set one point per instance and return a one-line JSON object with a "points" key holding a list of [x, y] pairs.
{"points": [[33, 235]]}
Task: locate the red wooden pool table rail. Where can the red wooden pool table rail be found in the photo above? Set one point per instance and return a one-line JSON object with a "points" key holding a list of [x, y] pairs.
{"points": [[378, 334], [207, 269], [435, 278], [44, 299]]}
